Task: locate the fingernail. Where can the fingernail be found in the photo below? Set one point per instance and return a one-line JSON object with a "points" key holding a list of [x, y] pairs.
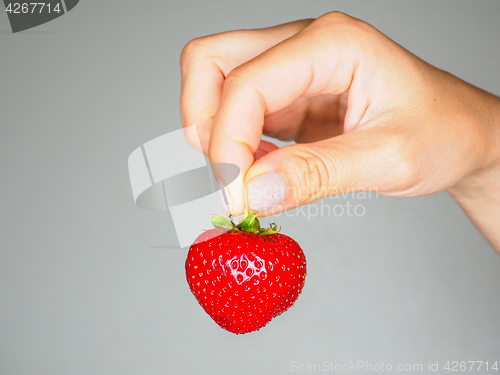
{"points": [[265, 192], [225, 198]]}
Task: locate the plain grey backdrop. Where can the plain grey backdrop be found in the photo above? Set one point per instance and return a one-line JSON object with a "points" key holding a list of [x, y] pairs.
{"points": [[83, 290]]}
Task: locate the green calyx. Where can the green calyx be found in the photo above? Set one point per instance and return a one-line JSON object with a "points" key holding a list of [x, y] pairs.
{"points": [[250, 224]]}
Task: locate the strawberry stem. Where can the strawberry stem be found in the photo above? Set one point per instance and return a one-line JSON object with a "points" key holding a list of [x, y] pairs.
{"points": [[250, 224]]}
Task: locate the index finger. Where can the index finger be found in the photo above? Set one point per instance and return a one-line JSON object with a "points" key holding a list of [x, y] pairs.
{"points": [[206, 61], [317, 60]]}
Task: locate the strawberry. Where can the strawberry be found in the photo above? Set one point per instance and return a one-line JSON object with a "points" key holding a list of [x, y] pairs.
{"points": [[244, 276]]}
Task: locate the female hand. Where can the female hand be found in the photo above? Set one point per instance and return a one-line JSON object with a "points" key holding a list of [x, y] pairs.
{"points": [[366, 113]]}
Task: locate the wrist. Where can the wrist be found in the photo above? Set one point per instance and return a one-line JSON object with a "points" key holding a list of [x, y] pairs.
{"points": [[479, 197], [483, 182], [483, 185], [478, 192]]}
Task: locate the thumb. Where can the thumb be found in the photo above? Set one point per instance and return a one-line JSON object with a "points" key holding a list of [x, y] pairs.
{"points": [[302, 173]]}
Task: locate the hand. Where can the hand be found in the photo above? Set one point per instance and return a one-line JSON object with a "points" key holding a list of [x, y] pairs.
{"points": [[366, 113]]}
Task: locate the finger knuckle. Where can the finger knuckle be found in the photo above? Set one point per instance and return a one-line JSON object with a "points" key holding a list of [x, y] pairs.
{"points": [[240, 83], [336, 17], [310, 171], [193, 50], [351, 28], [339, 19], [236, 78]]}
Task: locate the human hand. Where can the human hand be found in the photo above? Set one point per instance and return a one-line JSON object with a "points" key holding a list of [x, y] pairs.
{"points": [[366, 113]]}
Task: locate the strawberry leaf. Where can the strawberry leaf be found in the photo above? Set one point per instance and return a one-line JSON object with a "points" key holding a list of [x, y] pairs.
{"points": [[256, 224], [219, 221], [249, 222], [267, 232]]}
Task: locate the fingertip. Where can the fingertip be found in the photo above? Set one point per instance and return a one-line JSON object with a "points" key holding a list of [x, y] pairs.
{"points": [[265, 147]]}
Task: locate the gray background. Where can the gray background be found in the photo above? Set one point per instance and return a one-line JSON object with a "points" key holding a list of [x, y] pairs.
{"points": [[83, 292]]}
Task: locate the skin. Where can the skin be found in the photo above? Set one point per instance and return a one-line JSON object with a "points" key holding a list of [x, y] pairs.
{"points": [[365, 113]]}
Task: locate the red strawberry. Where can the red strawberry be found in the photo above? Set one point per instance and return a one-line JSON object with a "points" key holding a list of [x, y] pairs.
{"points": [[244, 276]]}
